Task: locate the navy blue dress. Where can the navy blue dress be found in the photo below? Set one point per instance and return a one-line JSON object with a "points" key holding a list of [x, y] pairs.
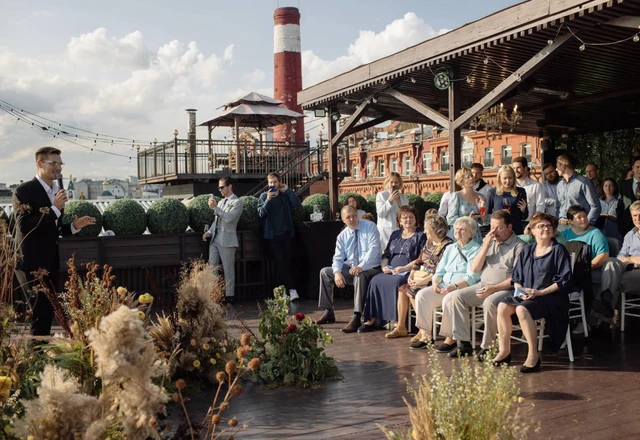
{"points": [[382, 293], [508, 201]]}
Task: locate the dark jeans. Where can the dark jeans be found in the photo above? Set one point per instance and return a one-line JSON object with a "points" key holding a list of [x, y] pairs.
{"points": [[280, 248], [42, 309]]}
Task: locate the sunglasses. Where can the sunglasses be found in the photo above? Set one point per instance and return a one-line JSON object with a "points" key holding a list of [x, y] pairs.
{"points": [[220, 188]]}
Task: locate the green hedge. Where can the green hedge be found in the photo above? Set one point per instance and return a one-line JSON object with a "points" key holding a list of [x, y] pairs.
{"points": [[125, 217], [362, 202], [167, 216], [371, 206], [433, 200], [419, 203], [82, 208], [321, 200], [200, 214], [249, 219]]}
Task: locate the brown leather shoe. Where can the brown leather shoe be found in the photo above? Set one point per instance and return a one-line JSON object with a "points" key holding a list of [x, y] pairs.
{"points": [[353, 325], [328, 317]]}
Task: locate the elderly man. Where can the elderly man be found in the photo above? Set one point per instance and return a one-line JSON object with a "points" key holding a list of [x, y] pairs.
{"points": [[574, 189], [495, 262], [356, 260], [535, 197]]}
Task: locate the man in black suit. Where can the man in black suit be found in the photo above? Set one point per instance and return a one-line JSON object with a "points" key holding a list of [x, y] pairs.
{"points": [[630, 192], [38, 205]]}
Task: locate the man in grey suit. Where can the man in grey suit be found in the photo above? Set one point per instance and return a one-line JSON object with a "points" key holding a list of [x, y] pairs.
{"points": [[224, 239]]}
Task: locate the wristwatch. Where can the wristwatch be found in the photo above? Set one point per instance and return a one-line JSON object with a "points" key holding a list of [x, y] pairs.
{"points": [[456, 286]]}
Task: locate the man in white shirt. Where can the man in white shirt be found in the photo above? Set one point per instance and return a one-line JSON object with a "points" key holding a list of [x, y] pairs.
{"points": [[535, 199], [479, 184]]}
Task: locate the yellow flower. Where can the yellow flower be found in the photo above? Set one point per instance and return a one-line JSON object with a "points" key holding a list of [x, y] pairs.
{"points": [[193, 343], [218, 355], [122, 291], [205, 346], [141, 315], [196, 363], [8, 429], [145, 299], [212, 361]]}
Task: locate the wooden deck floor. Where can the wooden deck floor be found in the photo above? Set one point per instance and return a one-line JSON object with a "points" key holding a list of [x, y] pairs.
{"points": [[594, 398]]}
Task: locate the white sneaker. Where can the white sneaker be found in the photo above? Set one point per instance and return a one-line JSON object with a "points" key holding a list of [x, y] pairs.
{"points": [[293, 294]]}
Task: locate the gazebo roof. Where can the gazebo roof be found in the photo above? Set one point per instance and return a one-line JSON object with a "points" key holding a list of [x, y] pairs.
{"points": [[576, 88]]}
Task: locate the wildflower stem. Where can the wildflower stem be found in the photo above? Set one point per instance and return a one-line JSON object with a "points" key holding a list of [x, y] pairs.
{"points": [[186, 414]]}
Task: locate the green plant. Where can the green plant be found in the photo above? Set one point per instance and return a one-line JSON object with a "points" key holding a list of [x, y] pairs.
{"points": [[292, 348], [249, 219], [82, 208], [125, 217], [433, 200], [200, 215], [371, 205], [319, 200], [362, 202], [420, 205], [298, 214], [476, 401], [167, 216]]}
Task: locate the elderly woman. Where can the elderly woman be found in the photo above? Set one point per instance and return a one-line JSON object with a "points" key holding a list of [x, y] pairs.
{"points": [[352, 201], [388, 202], [435, 228], [542, 281], [399, 257], [466, 202], [453, 272], [506, 195]]}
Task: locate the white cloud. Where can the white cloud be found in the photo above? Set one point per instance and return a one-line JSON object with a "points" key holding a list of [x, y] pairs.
{"points": [[255, 77], [369, 46], [95, 48], [43, 13], [228, 53]]}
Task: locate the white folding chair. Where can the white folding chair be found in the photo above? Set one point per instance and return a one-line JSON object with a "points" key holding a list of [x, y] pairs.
{"points": [[437, 322], [629, 307]]}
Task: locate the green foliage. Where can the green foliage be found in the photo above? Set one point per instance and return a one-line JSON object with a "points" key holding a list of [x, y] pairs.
{"points": [[167, 216], [82, 208], [125, 217], [433, 200], [371, 205], [292, 348], [320, 200], [249, 219], [298, 214], [420, 205], [200, 214], [362, 202]]}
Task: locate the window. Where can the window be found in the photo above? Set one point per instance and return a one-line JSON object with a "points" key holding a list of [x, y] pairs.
{"points": [[426, 162], [381, 168], [394, 164], [370, 168], [525, 150], [354, 173], [506, 155], [488, 157], [406, 167], [467, 151], [444, 161]]}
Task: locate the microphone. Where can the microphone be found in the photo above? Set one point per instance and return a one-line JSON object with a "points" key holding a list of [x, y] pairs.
{"points": [[59, 180]]}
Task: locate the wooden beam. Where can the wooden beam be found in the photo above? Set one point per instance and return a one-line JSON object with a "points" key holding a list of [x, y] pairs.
{"points": [[355, 117], [582, 100], [629, 21], [333, 164], [369, 124], [418, 106], [537, 61], [455, 134]]}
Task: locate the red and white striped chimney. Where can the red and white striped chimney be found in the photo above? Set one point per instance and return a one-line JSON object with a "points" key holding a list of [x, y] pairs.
{"points": [[287, 69]]}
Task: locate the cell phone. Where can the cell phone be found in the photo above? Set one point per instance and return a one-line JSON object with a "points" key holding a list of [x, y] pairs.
{"points": [[394, 187], [272, 188], [519, 293], [442, 285]]}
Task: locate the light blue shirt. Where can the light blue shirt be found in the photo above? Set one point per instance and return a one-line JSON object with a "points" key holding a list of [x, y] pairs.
{"points": [[452, 267], [578, 190], [368, 247], [631, 244], [593, 237], [551, 198]]}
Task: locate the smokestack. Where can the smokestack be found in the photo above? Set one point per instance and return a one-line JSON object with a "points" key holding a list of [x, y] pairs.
{"points": [[287, 70]]}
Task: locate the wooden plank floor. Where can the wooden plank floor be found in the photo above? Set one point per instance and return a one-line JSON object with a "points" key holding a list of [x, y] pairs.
{"points": [[594, 398]]}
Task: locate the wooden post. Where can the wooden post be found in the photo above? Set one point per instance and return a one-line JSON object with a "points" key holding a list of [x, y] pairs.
{"points": [[333, 164], [236, 121], [455, 139]]}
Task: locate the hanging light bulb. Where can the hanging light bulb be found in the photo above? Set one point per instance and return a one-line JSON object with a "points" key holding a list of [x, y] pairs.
{"points": [[582, 47], [486, 61], [413, 80], [549, 42], [636, 38], [468, 80]]}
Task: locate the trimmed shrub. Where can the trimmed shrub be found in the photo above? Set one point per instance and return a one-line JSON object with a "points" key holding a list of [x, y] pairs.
{"points": [[321, 200], [421, 206], [298, 214], [125, 217], [82, 208], [433, 200], [371, 206], [199, 213], [167, 216], [249, 219], [362, 202]]}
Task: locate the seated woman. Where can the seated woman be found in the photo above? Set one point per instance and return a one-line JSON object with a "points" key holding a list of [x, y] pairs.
{"points": [[436, 229], [466, 202], [354, 202], [506, 195], [542, 280], [453, 272], [612, 208], [399, 257]]}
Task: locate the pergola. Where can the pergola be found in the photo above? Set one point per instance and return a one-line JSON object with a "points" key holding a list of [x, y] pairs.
{"points": [[569, 65]]}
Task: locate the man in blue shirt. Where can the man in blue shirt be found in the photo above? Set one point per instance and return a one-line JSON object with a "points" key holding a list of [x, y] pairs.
{"points": [[355, 262], [574, 189]]}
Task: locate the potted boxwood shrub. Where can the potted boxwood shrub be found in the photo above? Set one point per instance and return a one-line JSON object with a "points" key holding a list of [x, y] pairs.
{"points": [[249, 219], [421, 206], [200, 215], [82, 208], [319, 200], [167, 216], [433, 200], [125, 217]]}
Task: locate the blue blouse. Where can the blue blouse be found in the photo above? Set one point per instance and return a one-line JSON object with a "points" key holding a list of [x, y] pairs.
{"points": [[398, 249]]}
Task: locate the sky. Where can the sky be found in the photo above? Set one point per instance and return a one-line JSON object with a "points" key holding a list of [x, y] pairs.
{"points": [[130, 69]]}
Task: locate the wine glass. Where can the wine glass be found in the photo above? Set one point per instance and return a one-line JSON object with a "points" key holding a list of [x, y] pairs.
{"points": [[506, 204]]}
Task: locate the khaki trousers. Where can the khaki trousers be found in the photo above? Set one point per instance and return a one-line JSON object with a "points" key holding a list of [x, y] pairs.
{"points": [[427, 300]]}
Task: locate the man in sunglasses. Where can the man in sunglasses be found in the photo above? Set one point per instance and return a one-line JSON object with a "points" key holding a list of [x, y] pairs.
{"points": [[39, 206], [224, 239]]}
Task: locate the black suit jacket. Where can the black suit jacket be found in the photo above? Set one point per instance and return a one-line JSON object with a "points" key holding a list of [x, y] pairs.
{"points": [[36, 231], [628, 194]]}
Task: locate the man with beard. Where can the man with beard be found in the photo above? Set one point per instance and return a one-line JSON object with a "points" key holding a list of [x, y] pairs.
{"points": [[592, 172], [574, 189], [550, 189], [535, 198]]}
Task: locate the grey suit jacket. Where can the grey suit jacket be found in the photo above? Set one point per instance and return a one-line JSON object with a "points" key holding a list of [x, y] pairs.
{"points": [[227, 215]]}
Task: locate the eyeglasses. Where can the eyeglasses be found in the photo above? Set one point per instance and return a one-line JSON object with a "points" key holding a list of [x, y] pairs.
{"points": [[220, 188], [543, 226], [55, 163]]}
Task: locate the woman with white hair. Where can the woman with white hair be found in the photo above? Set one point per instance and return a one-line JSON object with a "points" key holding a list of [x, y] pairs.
{"points": [[452, 273], [388, 202]]}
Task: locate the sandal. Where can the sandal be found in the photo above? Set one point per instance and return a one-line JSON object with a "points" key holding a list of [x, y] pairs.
{"points": [[395, 333]]}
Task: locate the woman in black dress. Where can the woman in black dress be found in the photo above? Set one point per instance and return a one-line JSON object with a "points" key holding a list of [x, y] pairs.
{"points": [[506, 195], [542, 280]]}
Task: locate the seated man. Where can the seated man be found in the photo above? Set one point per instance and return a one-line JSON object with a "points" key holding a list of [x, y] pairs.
{"points": [[621, 273], [495, 262], [582, 231], [355, 262]]}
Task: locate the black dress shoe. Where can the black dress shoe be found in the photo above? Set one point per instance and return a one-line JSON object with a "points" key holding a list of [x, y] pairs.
{"points": [[421, 345], [481, 354], [524, 369], [364, 328], [505, 361], [461, 351], [327, 317], [353, 325], [446, 348]]}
